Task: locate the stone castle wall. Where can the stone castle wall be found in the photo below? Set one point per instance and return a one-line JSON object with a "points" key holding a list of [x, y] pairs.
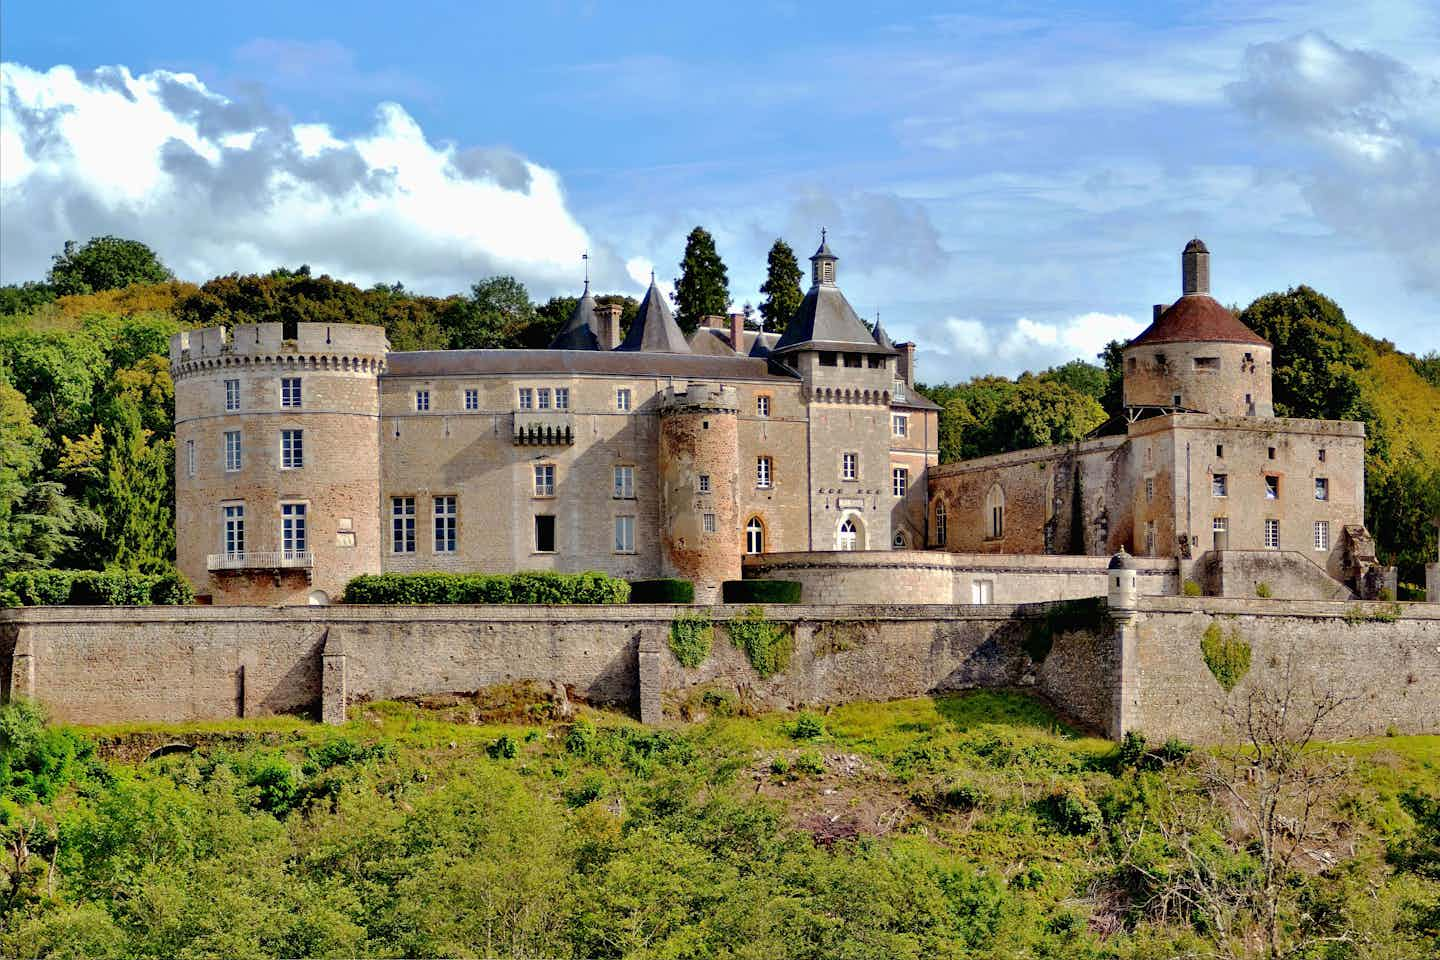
{"points": [[102, 665]]}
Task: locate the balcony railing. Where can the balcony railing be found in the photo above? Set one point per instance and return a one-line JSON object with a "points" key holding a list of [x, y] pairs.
{"points": [[267, 560], [538, 428]]}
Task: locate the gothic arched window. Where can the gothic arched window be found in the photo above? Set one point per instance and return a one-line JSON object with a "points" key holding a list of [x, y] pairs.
{"points": [[754, 536], [995, 513]]}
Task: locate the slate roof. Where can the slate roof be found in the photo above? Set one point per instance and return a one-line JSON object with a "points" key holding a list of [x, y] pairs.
{"points": [[1198, 318], [579, 331], [826, 321], [654, 329], [716, 342], [881, 337], [443, 363]]}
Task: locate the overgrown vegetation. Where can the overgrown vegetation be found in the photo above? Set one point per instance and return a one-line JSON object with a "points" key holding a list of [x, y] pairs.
{"points": [[767, 645], [1087, 615], [1191, 589], [529, 587], [691, 638], [965, 826], [1226, 654], [1262, 590]]}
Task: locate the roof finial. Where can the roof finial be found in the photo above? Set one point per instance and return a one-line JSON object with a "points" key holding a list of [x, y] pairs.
{"points": [[652, 276], [822, 236], [586, 257]]}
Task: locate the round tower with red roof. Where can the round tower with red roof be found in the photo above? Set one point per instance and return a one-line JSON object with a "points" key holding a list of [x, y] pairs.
{"points": [[1197, 357]]}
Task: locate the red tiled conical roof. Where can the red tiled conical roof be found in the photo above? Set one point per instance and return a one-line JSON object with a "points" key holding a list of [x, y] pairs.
{"points": [[1198, 318]]}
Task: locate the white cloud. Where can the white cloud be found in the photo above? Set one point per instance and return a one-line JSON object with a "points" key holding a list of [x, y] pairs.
{"points": [[217, 185], [971, 346], [641, 270]]}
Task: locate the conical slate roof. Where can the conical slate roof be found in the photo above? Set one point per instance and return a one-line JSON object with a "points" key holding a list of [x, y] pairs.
{"points": [[826, 321], [1198, 318], [654, 329], [579, 331], [881, 337]]}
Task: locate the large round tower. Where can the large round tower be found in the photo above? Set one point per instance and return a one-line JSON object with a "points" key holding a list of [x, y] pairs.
{"points": [[1196, 355], [277, 459], [699, 462]]}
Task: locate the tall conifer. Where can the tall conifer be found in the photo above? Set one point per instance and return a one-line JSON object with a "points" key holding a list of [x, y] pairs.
{"points": [[781, 287], [703, 287]]}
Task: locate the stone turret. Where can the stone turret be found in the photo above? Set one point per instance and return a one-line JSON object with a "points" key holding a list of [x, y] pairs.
{"points": [[1123, 594], [699, 485], [1195, 268]]}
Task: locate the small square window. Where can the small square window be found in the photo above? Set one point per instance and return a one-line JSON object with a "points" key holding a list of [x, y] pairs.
{"points": [[1270, 452], [1175, 400], [1219, 485], [762, 405], [622, 399], [422, 399], [544, 533], [1272, 534], [708, 522], [472, 399], [1322, 488], [1272, 488], [827, 359], [704, 483], [526, 398], [290, 391], [1322, 454], [542, 398], [1220, 451], [544, 479]]}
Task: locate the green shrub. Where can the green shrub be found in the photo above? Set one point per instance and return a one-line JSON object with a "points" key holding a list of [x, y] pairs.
{"points": [[172, 590], [963, 797], [1262, 590], [807, 726], [127, 588], [760, 591], [9, 598], [1191, 589], [504, 748], [1087, 615], [1131, 750], [582, 738], [588, 790], [1226, 654], [810, 763], [529, 587], [273, 778], [767, 645], [1072, 812], [691, 638], [1175, 750], [36, 760], [662, 591]]}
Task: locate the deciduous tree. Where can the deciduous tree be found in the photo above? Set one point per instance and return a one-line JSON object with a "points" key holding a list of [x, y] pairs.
{"points": [[104, 263]]}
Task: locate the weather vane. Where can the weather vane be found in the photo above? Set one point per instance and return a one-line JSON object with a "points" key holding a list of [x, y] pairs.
{"points": [[586, 257]]}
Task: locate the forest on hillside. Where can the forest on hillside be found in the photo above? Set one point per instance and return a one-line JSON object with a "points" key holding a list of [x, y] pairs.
{"points": [[87, 405]]}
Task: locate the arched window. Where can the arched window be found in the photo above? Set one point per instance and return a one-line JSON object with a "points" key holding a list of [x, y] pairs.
{"points": [[940, 523], [754, 536], [995, 513], [848, 534], [898, 541]]}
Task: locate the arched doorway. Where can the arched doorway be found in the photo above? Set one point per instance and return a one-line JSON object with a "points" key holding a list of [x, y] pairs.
{"points": [[754, 536], [851, 534]]}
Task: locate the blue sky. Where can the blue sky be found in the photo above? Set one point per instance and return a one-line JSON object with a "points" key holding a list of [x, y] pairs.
{"points": [[1008, 184]]}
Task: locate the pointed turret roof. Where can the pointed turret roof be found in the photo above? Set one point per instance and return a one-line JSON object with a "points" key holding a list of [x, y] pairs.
{"points": [[825, 320], [654, 329], [579, 331], [881, 337]]}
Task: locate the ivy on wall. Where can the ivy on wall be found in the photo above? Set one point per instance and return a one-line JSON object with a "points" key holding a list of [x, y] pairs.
{"points": [[691, 637], [1226, 654], [767, 645]]}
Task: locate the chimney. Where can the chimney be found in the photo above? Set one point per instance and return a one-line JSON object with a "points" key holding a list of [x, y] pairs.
{"points": [[737, 333], [1158, 309], [607, 322], [905, 368], [1195, 268]]}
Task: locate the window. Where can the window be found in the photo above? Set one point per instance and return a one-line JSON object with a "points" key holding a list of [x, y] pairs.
{"points": [[1149, 489], [293, 542], [562, 398], [995, 512], [827, 359], [624, 534], [852, 360], [1272, 534], [874, 361], [897, 542], [762, 472], [1220, 533], [1220, 525], [1207, 363], [1219, 451], [544, 533], [900, 425], [544, 479], [472, 399], [1322, 454], [292, 449], [1175, 400], [754, 536], [707, 523], [526, 398], [1219, 485], [940, 523], [1322, 488], [704, 483], [1322, 534], [422, 399], [625, 483], [232, 394], [190, 458], [1270, 452], [233, 451], [402, 524], [289, 391], [445, 517], [849, 466], [1149, 538], [1272, 488], [849, 535], [762, 406], [234, 514], [542, 398], [622, 399], [982, 591], [899, 480]]}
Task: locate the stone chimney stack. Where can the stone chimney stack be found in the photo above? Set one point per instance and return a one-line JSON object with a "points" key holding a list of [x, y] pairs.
{"points": [[1156, 310], [1195, 268], [607, 324], [905, 367], [737, 332]]}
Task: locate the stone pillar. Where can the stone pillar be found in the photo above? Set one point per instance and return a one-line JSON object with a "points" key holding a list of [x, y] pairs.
{"points": [[22, 668], [650, 679], [1127, 679], [1432, 582], [334, 691]]}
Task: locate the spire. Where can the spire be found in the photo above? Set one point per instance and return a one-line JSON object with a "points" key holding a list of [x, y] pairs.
{"points": [[822, 264], [579, 331], [881, 337], [654, 329]]}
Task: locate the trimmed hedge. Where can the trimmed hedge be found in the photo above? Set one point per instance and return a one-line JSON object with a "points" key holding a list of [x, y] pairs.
{"points": [[108, 588], [760, 591], [662, 591], [531, 587]]}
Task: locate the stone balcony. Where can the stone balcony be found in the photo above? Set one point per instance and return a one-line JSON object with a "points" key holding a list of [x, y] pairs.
{"points": [[261, 560], [542, 428]]}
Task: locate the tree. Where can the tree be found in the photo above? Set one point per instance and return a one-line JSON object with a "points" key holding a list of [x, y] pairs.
{"points": [[495, 315], [104, 263], [781, 287], [1317, 354], [1040, 413], [1113, 360], [37, 519], [134, 492], [703, 287], [24, 297], [1079, 376]]}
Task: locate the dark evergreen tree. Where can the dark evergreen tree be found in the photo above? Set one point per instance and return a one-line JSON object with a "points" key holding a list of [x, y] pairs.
{"points": [[134, 494], [781, 287], [703, 287]]}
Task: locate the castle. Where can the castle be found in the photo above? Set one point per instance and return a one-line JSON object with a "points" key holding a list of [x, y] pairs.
{"points": [[307, 456]]}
